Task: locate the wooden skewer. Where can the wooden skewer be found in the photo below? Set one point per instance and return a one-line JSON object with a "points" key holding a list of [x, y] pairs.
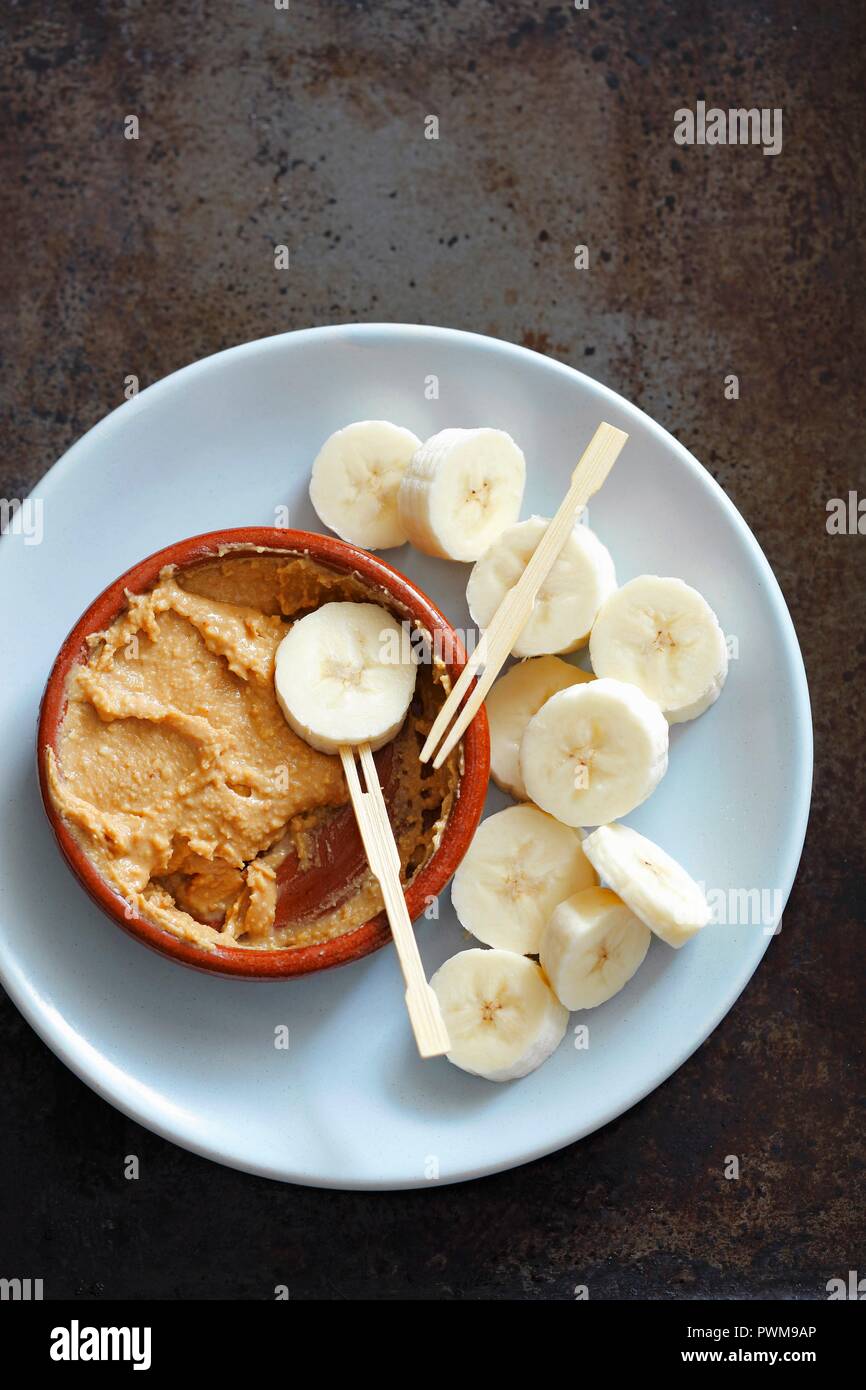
{"points": [[497, 641], [383, 857]]}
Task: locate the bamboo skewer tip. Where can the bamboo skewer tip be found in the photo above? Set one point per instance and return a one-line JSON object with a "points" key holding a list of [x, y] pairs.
{"points": [[383, 856]]}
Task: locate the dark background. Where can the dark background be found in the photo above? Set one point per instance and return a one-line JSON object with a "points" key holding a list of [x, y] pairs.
{"points": [[556, 127]]}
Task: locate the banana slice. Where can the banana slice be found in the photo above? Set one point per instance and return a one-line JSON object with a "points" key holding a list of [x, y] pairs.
{"points": [[502, 1017], [567, 601], [656, 888], [591, 947], [461, 490], [521, 863], [356, 477], [343, 675], [512, 702], [594, 752], [664, 637]]}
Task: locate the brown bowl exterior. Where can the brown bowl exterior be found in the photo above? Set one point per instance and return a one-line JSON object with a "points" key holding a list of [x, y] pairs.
{"points": [[427, 884]]}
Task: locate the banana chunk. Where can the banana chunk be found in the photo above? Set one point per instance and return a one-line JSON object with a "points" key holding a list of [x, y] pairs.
{"points": [[461, 490], [568, 600], [502, 1017], [594, 752], [656, 888], [521, 863], [344, 676], [355, 480], [591, 947], [664, 637], [512, 702]]}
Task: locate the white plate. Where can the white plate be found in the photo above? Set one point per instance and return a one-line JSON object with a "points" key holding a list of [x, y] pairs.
{"points": [[223, 443]]}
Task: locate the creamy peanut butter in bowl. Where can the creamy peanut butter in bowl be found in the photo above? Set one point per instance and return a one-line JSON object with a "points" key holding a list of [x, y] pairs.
{"points": [[185, 803]]}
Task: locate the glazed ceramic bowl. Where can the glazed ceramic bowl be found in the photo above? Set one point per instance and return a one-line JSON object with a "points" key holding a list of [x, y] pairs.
{"points": [[407, 602]]}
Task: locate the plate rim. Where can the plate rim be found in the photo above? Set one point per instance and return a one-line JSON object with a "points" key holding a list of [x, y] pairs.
{"points": [[75, 1052]]}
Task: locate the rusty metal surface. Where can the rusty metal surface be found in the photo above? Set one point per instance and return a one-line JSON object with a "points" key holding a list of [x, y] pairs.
{"points": [[556, 127]]}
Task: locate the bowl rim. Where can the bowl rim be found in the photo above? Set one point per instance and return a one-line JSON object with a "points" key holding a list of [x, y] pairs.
{"points": [[466, 811]]}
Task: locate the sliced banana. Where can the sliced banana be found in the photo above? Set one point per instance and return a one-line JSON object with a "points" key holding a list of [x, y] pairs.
{"points": [[356, 477], [344, 676], [502, 1017], [594, 752], [591, 947], [521, 863], [568, 600], [664, 637], [656, 888], [512, 702], [461, 490]]}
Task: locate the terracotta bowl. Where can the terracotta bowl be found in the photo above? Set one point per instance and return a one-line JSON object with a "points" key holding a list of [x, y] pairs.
{"points": [[407, 601]]}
